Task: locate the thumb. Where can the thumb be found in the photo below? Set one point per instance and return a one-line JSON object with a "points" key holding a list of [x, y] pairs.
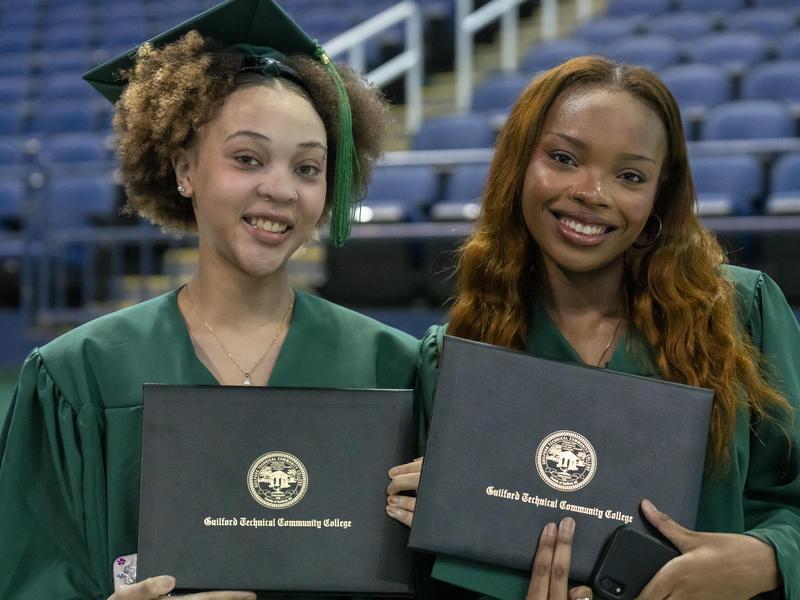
{"points": [[682, 538]]}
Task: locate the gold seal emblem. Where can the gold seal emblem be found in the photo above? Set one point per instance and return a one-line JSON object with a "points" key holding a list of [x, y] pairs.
{"points": [[277, 480], [566, 461]]}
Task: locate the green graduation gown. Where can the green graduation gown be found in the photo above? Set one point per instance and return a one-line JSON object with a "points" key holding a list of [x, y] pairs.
{"points": [[759, 495], [70, 443]]}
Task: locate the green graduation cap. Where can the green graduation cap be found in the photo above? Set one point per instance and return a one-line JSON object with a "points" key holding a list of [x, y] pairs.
{"points": [[257, 28]]}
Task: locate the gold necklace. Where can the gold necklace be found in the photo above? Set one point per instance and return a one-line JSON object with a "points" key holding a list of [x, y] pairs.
{"points": [[278, 332], [608, 345]]}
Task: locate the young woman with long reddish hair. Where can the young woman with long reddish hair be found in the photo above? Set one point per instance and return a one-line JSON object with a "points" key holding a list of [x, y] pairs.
{"points": [[588, 250]]}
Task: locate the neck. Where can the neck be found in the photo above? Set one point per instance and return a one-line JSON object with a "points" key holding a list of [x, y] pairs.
{"points": [[571, 295], [234, 300]]}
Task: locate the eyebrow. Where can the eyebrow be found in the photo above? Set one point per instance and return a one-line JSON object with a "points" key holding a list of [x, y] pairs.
{"points": [[621, 156], [261, 137]]}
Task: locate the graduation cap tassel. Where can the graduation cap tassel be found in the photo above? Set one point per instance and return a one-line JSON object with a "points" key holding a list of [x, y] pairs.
{"points": [[343, 205]]}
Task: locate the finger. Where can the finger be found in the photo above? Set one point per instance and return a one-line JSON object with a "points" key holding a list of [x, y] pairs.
{"points": [[542, 560], [403, 483], [677, 534], [148, 589], [419, 460], [580, 593], [414, 466], [406, 517], [559, 572], [408, 503]]}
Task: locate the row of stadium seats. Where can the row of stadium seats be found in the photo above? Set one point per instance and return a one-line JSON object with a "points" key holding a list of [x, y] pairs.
{"points": [[727, 185]]}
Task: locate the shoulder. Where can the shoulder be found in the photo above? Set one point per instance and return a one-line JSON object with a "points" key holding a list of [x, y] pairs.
{"points": [[129, 325], [431, 343], [337, 322]]}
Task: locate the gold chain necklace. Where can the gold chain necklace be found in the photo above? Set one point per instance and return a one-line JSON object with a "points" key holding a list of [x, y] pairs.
{"points": [[608, 345], [246, 374]]}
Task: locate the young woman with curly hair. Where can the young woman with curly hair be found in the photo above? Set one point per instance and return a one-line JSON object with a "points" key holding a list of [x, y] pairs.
{"points": [[588, 250], [245, 151]]}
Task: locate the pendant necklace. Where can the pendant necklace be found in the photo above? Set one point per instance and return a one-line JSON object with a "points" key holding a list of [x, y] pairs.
{"points": [[247, 380], [608, 345]]}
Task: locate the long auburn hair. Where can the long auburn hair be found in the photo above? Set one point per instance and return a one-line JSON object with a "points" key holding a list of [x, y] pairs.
{"points": [[675, 293]]}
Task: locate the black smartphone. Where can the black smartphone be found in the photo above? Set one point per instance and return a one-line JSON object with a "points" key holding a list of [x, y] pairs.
{"points": [[628, 562]]}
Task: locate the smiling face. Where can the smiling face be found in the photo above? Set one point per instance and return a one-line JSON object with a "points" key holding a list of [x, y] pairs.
{"points": [[256, 173], [592, 179]]}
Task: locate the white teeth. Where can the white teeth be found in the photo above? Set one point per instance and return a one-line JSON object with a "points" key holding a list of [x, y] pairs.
{"points": [[266, 225], [583, 228]]}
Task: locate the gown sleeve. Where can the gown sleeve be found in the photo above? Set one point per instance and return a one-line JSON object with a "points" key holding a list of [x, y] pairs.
{"points": [[772, 489], [51, 508]]}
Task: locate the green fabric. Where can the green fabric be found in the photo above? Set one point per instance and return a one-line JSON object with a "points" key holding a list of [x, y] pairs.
{"points": [[760, 495], [70, 445]]}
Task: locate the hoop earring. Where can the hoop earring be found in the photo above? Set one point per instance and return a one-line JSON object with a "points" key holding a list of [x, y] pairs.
{"points": [[648, 243]]}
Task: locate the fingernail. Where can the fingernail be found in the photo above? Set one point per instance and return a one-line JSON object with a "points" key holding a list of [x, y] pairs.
{"points": [[550, 530], [392, 471], [647, 505], [165, 583], [391, 510], [393, 500], [568, 524]]}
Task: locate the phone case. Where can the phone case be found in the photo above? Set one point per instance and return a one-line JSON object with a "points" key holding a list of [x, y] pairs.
{"points": [[628, 562]]}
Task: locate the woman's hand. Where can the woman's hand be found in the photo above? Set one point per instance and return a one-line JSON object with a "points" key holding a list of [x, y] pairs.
{"points": [[550, 572], [712, 565], [159, 587], [405, 478]]}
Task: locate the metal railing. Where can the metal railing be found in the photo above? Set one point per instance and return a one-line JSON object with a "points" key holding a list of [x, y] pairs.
{"points": [[468, 23], [409, 63]]}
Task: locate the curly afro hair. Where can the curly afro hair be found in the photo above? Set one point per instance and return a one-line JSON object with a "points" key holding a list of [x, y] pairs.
{"points": [[174, 90]]}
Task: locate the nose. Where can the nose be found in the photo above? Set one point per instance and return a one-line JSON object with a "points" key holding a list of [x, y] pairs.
{"points": [[590, 190], [277, 185]]}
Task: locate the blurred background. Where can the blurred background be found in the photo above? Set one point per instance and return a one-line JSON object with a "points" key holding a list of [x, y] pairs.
{"points": [[452, 69]]}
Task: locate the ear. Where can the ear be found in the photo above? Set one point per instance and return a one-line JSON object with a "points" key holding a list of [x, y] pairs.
{"points": [[182, 166]]}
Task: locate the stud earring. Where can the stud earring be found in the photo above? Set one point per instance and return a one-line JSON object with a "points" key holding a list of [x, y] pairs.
{"points": [[181, 189]]}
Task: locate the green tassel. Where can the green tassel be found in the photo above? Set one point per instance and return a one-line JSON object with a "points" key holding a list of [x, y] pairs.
{"points": [[343, 205]]}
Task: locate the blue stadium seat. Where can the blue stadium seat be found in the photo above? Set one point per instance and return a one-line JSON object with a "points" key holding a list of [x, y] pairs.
{"points": [[652, 51], [454, 131], [12, 196], [775, 80], [15, 65], [16, 41], [63, 117], [698, 86], [399, 194], [11, 119], [13, 89], [788, 46], [12, 152], [726, 185], [766, 21], [547, 55], [737, 50], [462, 198], [497, 94], [785, 186], [78, 201], [59, 37], [748, 119], [74, 63], [605, 30], [718, 6], [650, 8], [683, 26], [65, 86], [71, 150], [131, 32], [783, 3]]}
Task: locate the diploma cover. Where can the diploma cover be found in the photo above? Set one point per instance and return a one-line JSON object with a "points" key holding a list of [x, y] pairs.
{"points": [[273, 489], [516, 442]]}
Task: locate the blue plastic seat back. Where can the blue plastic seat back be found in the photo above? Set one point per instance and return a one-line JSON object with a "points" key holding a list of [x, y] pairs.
{"points": [[776, 80], [12, 196], [499, 93], [748, 119], [788, 46], [683, 26], [547, 55], [76, 201], [466, 183], [12, 152], [61, 117], [766, 21], [405, 190], [605, 30], [14, 89], [727, 185], [698, 85], [72, 149], [652, 51], [716, 6], [455, 131], [736, 50], [785, 175], [650, 8]]}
